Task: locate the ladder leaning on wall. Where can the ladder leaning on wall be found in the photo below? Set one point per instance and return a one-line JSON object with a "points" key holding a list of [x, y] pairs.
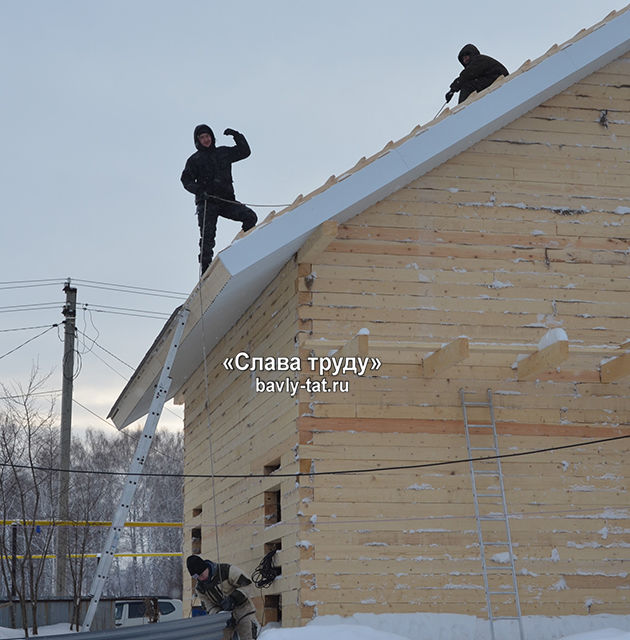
{"points": [[135, 471], [491, 514]]}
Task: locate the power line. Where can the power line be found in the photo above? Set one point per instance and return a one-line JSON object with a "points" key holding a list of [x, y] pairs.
{"points": [[110, 286], [123, 433], [38, 306], [113, 355], [158, 315], [86, 305], [297, 474], [29, 340], [53, 392], [94, 284], [41, 282], [39, 326]]}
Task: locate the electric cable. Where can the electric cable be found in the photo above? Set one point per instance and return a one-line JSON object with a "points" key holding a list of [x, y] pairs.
{"points": [[102, 348], [298, 474], [39, 335], [124, 377], [18, 396], [266, 572], [39, 326], [107, 286], [26, 284], [123, 433], [98, 307], [38, 306]]}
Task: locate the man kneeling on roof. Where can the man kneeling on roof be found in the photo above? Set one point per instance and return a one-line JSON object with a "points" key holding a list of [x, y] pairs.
{"points": [[219, 587], [479, 72]]}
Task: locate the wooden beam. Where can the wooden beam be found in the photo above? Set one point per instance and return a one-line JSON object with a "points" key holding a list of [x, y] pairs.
{"points": [[616, 368], [445, 357], [543, 360], [317, 241], [357, 346]]}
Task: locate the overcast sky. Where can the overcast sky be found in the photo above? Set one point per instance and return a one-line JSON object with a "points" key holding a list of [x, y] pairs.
{"points": [[99, 100]]}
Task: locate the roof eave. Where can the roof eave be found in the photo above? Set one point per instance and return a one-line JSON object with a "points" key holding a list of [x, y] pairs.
{"points": [[245, 268]]}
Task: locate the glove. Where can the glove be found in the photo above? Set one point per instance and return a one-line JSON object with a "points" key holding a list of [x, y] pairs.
{"points": [[230, 132], [227, 604], [449, 95]]}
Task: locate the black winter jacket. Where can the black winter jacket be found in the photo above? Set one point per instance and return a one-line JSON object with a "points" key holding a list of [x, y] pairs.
{"points": [[480, 72], [209, 170]]}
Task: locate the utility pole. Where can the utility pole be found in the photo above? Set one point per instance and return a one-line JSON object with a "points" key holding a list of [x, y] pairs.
{"points": [[70, 313]]}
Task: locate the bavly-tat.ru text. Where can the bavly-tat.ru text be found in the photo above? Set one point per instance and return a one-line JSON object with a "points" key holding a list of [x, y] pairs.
{"points": [[291, 386]]}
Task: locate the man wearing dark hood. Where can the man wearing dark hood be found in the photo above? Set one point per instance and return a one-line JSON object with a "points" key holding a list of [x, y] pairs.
{"points": [[219, 587], [208, 174], [479, 72]]}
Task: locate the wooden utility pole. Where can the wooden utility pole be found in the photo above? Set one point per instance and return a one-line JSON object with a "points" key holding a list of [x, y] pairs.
{"points": [[70, 313]]}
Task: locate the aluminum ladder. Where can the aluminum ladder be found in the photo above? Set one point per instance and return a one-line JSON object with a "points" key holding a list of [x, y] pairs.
{"points": [[491, 514], [135, 471]]}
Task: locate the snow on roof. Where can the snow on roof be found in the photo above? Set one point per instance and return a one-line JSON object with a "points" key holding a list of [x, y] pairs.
{"points": [[242, 270]]}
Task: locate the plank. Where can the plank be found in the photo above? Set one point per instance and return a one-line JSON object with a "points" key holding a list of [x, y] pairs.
{"points": [[615, 369], [317, 242], [445, 357]]}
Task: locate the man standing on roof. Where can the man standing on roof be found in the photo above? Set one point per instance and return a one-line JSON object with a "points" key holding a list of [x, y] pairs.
{"points": [[219, 587], [208, 174], [479, 72]]}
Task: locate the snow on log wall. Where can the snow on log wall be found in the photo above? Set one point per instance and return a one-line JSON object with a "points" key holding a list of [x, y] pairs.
{"points": [[525, 232]]}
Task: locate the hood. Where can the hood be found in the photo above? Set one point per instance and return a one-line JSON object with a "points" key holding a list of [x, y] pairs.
{"points": [[203, 128], [467, 50]]}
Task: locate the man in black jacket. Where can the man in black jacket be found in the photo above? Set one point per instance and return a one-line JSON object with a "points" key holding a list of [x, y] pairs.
{"points": [[479, 72], [208, 174], [220, 588]]}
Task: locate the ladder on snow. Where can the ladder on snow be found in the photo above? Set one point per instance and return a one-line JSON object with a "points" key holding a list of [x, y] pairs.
{"points": [[135, 471], [493, 526]]}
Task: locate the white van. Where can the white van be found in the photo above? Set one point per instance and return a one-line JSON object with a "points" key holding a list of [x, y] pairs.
{"points": [[131, 612]]}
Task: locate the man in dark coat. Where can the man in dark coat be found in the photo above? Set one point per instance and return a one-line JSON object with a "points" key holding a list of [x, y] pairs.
{"points": [[479, 72], [220, 588], [208, 174]]}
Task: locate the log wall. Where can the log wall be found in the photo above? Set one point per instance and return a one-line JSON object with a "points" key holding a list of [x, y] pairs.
{"points": [[525, 232]]}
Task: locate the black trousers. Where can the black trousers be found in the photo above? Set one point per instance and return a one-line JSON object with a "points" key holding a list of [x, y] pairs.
{"points": [[208, 212]]}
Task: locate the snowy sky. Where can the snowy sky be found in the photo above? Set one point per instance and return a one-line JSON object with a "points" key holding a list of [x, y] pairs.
{"points": [[99, 103]]}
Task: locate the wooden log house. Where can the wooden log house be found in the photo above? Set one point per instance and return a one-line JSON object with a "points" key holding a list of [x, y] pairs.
{"points": [[441, 262]]}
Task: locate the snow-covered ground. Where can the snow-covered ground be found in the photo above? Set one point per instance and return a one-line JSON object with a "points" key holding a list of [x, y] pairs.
{"points": [[428, 626]]}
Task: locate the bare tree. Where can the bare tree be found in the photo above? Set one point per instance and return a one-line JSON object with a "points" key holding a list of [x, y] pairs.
{"points": [[90, 497], [157, 499], [28, 491]]}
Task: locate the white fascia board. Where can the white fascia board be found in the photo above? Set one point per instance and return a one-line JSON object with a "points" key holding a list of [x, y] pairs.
{"points": [[254, 260]]}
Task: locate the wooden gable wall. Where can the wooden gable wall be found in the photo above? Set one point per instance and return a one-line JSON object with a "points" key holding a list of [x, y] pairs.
{"points": [[251, 433], [526, 231]]}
